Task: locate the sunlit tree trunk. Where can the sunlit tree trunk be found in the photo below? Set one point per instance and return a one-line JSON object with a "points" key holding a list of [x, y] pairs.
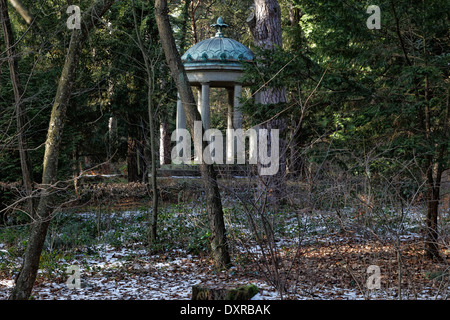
{"points": [[265, 26], [27, 275], [22, 10], [214, 209]]}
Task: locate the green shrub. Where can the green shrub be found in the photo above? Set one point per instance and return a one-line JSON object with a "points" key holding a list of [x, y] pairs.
{"points": [[52, 264], [199, 242]]}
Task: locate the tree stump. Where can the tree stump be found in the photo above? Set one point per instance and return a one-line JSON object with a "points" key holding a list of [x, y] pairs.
{"points": [[240, 293]]}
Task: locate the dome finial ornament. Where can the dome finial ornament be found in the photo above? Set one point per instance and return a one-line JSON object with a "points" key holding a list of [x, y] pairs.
{"points": [[219, 26]]}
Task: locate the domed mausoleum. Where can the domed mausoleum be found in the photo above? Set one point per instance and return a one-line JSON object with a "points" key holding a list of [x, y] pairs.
{"points": [[216, 62]]}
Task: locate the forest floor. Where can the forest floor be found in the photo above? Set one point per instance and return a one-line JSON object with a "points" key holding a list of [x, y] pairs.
{"points": [[315, 255], [133, 274]]}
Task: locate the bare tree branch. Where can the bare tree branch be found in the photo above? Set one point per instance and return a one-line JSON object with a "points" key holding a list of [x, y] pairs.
{"points": [[26, 15]]}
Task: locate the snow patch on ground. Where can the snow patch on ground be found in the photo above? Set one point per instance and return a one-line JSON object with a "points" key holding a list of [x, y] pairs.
{"points": [[131, 273]]}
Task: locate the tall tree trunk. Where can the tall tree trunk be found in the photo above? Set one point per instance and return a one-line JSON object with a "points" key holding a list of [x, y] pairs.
{"points": [[214, 209], [137, 153], [432, 194], [164, 142], [151, 116], [142, 157], [295, 14], [2, 206], [21, 115], [265, 26], [193, 21], [136, 162], [75, 168], [27, 274], [132, 159], [432, 236], [433, 183], [112, 141], [151, 119], [185, 14]]}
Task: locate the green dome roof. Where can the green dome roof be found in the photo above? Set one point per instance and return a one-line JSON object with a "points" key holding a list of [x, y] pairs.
{"points": [[218, 50]]}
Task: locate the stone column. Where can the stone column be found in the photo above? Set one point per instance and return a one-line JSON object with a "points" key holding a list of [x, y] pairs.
{"points": [[199, 100], [237, 118], [237, 113], [258, 97], [180, 124], [230, 140], [205, 111], [199, 109], [181, 116]]}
